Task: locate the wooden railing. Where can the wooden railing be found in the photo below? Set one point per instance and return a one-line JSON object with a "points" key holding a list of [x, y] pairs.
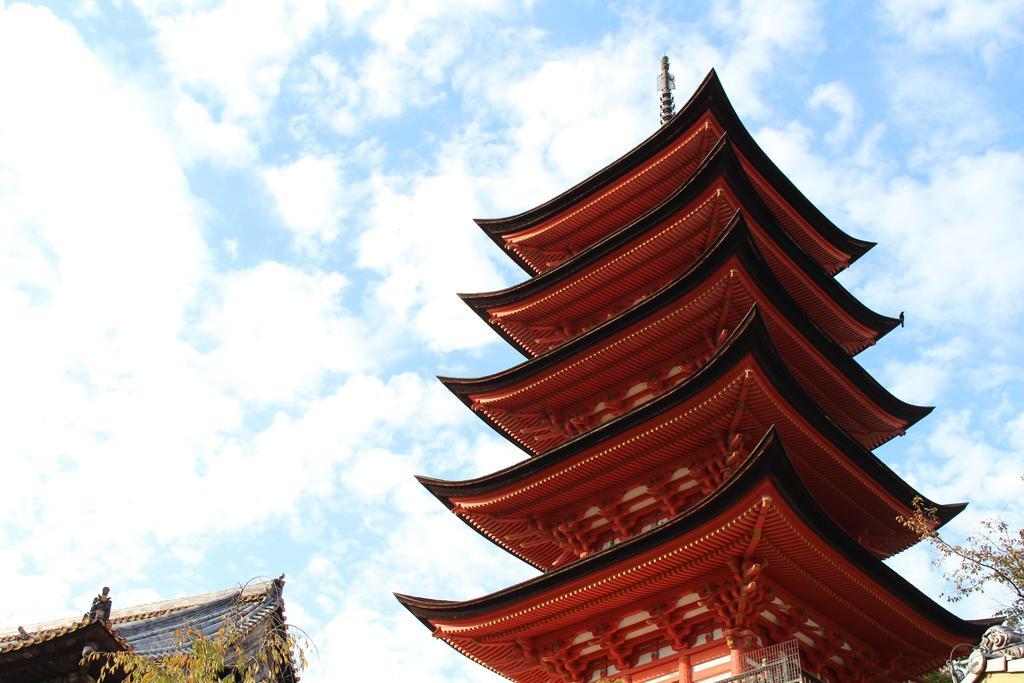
{"points": [[774, 673]]}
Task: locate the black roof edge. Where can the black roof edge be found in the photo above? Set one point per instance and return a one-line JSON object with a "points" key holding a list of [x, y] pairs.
{"points": [[722, 161], [608, 556], [710, 93], [767, 461], [945, 513], [750, 336], [735, 239], [687, 115]]}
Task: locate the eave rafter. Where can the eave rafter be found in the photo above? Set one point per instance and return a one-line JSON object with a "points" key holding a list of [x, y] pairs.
{"points": [[557, 482], [565, 392], [741, 602], [551, 409], [560, 239], [617, 283], [631, 264], [755, 522]]}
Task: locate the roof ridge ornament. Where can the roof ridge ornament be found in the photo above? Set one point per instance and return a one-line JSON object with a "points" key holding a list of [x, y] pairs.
{"points": [[666, 84], [100, 609]]}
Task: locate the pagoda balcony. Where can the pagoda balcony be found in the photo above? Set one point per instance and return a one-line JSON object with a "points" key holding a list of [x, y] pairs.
{"points": [[770, 674]]}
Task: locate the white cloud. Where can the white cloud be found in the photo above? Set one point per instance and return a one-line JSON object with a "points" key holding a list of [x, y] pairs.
{"points": [[940, 112], [549, 146], [391, 645], [100, 254], [309, 196], [425, 247], [988, 27], [111, 409], [413, 47], [415, 556], [925, 379], [837, 97], [203, 138], [236, 52], [411, 540], [761, 34], [934, 229], [275, 331], [226, 63], [129, 364], [945, 230]]}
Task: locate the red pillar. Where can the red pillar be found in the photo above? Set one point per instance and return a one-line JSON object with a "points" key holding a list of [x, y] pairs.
{"points": [[735, 644], [735, 661], [685, 670]]}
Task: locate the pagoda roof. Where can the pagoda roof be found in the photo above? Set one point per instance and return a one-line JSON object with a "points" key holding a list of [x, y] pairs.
{"points": [[801, 547], [735, 242], [749, 346], [709, 97], [721, 164]]}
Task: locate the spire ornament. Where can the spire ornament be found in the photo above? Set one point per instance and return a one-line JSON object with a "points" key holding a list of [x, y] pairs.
{"points": [[666, 84]]}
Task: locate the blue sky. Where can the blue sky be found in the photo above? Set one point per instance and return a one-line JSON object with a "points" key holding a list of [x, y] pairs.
{"points": [[230, 237]]}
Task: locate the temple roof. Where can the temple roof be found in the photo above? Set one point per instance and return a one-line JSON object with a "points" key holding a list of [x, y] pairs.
{"points": [[829, 243], [53, 652], [805, 552], [151, 629], [749, 347], [722, 164], [736, 242], [154, 629]]}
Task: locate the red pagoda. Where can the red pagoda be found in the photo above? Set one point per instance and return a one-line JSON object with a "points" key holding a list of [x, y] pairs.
{"points": [[700, 488]]}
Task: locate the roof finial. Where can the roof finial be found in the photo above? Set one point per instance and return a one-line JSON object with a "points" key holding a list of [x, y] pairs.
{"points": [[100, 610], [666, 84]]}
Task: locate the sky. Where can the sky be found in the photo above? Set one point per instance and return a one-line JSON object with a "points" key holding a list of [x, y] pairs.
{"points": [[231, 236]]}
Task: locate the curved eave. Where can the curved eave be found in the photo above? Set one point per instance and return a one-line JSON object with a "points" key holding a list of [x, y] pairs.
{"points": [[750, 337], [768, 462], [710, 95], [945, 513], [735, 240], [56, 653], [720, 162], [87, 629]]}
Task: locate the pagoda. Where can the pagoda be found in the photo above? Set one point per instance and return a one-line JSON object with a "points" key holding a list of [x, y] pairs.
{"points": [[700, 486]]}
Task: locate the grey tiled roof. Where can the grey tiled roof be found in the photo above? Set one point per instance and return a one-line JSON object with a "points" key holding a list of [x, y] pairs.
{"points": [[161, 632], [155, 629]]}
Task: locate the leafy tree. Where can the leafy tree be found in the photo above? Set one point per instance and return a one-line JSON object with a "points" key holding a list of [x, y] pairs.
{"points": [[231, 655], [993, 556], [940, 676]]}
